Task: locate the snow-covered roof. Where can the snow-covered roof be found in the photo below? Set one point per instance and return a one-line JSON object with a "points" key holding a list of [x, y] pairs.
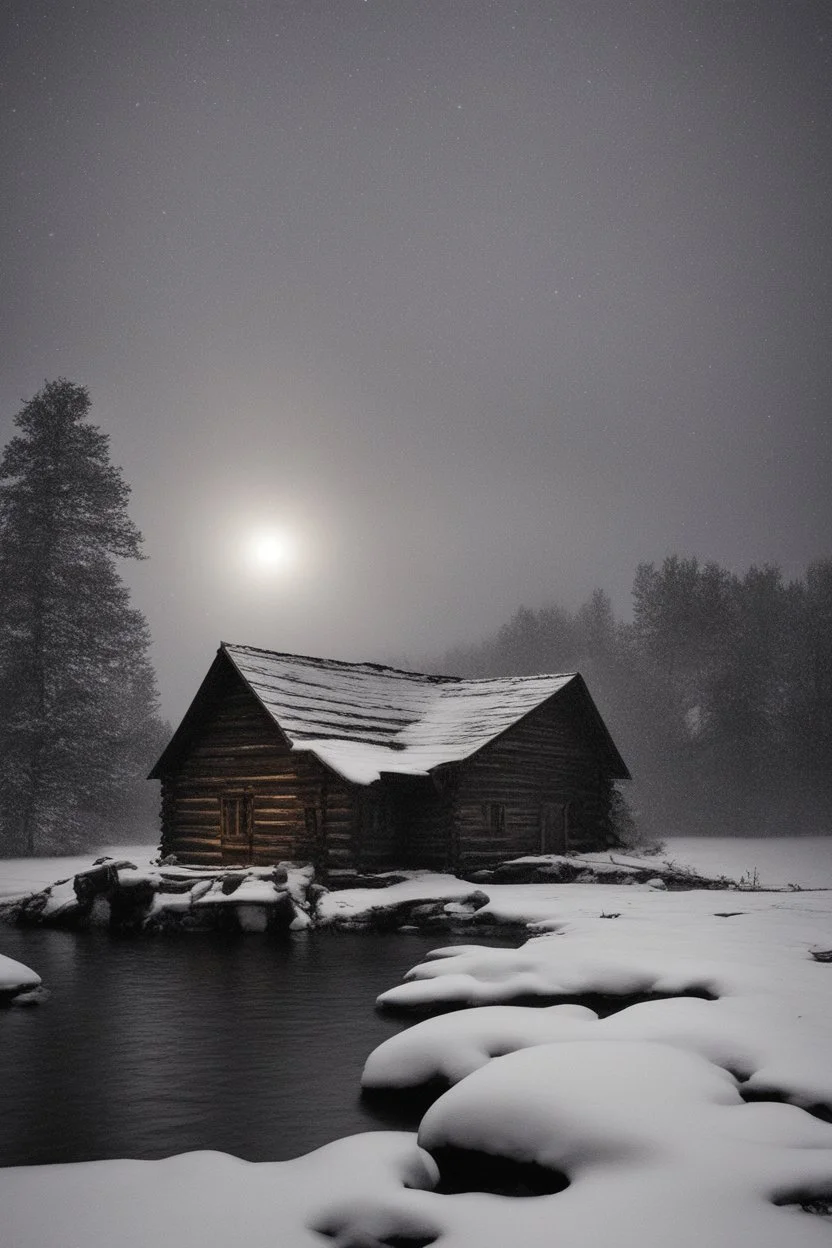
{"points": [[362, 719]]}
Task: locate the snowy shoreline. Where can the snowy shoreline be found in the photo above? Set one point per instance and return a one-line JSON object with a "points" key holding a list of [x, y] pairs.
{"points": [[132, 894], [667, 1115]]}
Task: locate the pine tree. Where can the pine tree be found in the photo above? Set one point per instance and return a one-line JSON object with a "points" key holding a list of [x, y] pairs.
{"points": [[807, 717], [78, 717]]}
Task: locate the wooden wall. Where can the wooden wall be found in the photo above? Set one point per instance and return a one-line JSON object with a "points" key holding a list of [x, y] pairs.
{"points": [[288, 806], [235, 750], [549, 758]]}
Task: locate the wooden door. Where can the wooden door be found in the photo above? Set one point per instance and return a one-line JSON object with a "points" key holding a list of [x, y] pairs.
{"points": [[553, 827], [309, 842], [237, 828]]}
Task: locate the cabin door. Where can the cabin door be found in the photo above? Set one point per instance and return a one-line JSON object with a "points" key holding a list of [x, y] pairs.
{"points": [[309, 842], [237, 829], [553, 827]]}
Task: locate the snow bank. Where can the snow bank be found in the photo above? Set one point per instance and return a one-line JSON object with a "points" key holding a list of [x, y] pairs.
{"points": [[657, 1145], [15, 977], [771, 1020], [212, 1200], [354, 907]]}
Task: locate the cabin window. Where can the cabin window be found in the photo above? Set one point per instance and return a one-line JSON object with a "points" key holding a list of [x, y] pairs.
{"points": [[237, 828], [496, 816]]}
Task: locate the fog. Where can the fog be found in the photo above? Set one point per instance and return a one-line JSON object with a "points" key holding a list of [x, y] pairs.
{"points": [[482, 303]]}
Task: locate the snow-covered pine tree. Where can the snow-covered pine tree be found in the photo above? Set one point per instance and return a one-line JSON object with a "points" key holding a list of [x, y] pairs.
{"points": [[79, 724]]}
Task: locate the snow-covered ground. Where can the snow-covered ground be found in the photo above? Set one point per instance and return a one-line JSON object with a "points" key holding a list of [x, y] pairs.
{"points": [[772, 862], [642, 1113], [770, 1021], [777, 861], [30, 875]]}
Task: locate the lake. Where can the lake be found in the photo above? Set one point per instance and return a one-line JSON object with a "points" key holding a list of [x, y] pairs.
{"points": [[149, 1047]]}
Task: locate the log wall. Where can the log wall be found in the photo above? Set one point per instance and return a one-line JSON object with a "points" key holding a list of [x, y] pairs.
{"points": [[233, 792], [298, 810], [547, 760]]}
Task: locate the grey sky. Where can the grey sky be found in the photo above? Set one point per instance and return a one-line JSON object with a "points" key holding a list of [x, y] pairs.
{"points": [[486, 301]]}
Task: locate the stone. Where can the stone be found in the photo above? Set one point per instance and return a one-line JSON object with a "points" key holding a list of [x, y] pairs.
{"points": [[476, 877], [427, 910], [231, 883], [90, 884]]}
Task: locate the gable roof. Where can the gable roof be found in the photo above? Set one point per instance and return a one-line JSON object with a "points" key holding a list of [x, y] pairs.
{"points": [[362, 719]]}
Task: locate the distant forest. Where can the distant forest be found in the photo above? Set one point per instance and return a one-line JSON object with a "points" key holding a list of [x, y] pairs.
{"points": [[718, 694]]}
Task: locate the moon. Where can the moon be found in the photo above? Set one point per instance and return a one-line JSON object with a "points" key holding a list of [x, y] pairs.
{"points": [[270, 550]]}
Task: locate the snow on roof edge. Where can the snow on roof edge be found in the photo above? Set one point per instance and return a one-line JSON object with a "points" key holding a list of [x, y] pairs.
{"points": [[384, 668], [393, 729]]}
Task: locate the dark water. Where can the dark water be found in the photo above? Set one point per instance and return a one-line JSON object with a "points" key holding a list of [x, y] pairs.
{"points": [[151, 1047]]}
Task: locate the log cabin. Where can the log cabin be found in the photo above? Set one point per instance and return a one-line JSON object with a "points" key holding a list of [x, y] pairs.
{"points": [[356, 766]]}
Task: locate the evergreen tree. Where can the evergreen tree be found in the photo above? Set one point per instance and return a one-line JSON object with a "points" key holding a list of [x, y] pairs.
{"points": [[681, 613], [535, 641], [596, 628], [79, 723], [719, 693], [808, 711]]}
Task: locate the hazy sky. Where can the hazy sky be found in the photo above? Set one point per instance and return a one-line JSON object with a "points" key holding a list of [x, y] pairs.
{"points": [[484, 302]]}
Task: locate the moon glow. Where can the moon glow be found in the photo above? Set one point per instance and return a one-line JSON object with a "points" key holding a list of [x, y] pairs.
{"points": [[270, 550]]}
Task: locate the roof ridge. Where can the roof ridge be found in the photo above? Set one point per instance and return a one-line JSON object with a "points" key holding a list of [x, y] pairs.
{"points": [[348, 663], [486, 680], [433, 677]]}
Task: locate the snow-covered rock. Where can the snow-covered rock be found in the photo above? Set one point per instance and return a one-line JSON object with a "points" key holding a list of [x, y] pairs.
{"points": [[770, 1019], [120, 896], [656, 1144], [16, 978]]}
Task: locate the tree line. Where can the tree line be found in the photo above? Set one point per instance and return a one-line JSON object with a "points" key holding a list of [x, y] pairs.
{"points": [[718, 693], [79, 722]]}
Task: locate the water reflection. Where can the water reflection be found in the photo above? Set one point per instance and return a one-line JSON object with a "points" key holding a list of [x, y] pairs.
{"points": [[152, 1047]]}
